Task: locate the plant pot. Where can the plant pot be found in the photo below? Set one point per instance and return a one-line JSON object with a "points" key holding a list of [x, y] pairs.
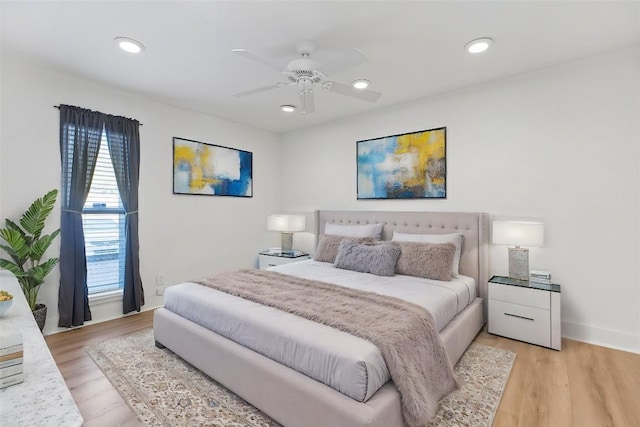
{"points": [[40, 314]]}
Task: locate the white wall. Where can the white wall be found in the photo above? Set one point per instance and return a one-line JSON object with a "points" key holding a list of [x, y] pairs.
{"points": [[560, 145], [182, 237]]}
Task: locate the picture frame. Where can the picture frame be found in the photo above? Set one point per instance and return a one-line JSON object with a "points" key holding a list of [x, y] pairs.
{"points": [[404, 166], [206, 169]]}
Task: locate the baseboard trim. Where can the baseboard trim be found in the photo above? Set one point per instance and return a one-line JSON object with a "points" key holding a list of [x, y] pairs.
{"points": [[52, 321], [603, 337]]}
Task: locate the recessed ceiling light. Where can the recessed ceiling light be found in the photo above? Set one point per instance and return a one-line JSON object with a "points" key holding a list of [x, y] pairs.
{"points": [[478, 45], [129, 45], [288, 108], [360, 83]]}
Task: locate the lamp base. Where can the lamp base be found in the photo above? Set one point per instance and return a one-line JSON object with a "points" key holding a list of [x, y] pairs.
{"points": [[287, 243], [519, 263]]}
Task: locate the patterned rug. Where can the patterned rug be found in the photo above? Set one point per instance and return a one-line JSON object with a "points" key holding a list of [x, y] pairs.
{"points": [[163, 390]]}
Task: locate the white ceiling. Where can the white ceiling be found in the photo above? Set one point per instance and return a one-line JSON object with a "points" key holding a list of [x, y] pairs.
{"points": [[415, 48]]}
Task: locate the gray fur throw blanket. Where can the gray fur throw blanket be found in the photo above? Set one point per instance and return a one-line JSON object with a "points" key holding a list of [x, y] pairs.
{"points": [[404, 332]]}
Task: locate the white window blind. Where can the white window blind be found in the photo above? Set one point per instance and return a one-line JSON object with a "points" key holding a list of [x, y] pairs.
{"points": [[103, 224]]}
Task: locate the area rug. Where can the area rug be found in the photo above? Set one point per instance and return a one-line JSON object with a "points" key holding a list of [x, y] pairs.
{"points": [[163, 390]]}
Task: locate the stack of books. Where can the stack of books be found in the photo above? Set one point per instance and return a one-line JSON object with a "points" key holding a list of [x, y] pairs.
{"points": [[11, 360], [538, 276]]}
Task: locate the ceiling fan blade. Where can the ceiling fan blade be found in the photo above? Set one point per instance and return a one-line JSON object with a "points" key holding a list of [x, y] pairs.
{"points": [[349, 59], [307, 104], [363, 94], [258, 90], [256, 58]]}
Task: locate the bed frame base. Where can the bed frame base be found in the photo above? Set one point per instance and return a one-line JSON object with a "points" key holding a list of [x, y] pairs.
{"points": [[289, 397], [294, 399]]}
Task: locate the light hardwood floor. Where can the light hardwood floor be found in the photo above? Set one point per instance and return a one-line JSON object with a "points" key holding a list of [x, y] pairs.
{"points": [[581, 386]]}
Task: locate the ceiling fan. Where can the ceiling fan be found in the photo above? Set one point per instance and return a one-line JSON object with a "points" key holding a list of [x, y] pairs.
{"points": [[307, 75]]}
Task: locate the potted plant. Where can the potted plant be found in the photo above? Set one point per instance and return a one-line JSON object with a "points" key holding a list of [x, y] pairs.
{"points": [[26, 245]]}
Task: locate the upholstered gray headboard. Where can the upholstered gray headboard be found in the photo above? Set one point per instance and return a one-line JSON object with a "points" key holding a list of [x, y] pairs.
{"points": [[474, 261]]}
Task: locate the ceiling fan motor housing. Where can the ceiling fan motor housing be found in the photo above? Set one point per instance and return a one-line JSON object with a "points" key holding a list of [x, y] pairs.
{"points": [[303, 69]]}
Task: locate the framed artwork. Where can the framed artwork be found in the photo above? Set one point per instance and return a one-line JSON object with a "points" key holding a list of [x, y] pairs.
{"points": [[211, 170], [406, 166]]}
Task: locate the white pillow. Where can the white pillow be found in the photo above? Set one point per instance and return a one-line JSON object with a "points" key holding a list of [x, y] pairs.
{"points": [[455, 238], [366, 230]]}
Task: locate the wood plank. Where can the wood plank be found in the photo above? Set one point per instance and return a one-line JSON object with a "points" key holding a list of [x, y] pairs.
{"points": [[548, 402], [624, 369], [595, 392], [100, 406]]}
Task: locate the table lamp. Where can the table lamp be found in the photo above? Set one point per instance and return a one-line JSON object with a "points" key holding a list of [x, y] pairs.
{"points": [[518, 233], [286, 225]]}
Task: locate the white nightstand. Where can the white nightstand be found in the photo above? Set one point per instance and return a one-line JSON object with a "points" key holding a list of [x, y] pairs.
{"points": [[270, 259], [525, 311]]}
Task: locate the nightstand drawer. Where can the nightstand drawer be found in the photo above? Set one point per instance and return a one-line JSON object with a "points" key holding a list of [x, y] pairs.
{"points": [[270, 261], [520, 322], [519, 295]]}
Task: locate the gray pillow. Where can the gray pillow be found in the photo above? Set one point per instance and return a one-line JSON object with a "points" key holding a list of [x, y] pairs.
{"points": [[455, 238], [428, 260], [328, 246], [377, 259]]}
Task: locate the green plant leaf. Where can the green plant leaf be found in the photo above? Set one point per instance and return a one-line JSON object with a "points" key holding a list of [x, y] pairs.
{"points": [[11, 253], [12, 225], [39, 272], [17, 242], [12, 267], [40, 246], [33, 219], [25, 245]]}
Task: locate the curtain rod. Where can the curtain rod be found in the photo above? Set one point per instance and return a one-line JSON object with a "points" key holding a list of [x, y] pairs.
{"points": [[58, 107]]}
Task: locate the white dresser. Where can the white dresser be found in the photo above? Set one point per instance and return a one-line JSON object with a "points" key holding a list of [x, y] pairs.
{"points": [[43, 399], [525, 311], [271, 258]]}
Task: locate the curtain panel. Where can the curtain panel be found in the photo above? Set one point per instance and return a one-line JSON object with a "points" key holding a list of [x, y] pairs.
{"points": [[123, 137], [80, 135]]}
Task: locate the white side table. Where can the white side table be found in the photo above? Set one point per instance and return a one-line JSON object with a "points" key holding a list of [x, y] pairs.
{"points": [[271, 259], [525, 311]]}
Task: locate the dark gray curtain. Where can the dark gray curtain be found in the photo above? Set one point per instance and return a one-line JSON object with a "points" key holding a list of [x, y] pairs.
{"points": [[123, 138], [80, 134]]}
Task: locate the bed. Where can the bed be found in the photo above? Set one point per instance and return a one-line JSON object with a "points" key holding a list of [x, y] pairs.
{"points": [[295, 399]]}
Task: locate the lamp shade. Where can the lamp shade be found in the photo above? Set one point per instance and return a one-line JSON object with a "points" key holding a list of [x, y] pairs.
{"points": [[286, 223], [518, 233]]}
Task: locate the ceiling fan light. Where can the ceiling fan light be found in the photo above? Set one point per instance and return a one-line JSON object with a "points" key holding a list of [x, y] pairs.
{"points": [[478, 45], [288, 108], [360, 83], [129, 45]]}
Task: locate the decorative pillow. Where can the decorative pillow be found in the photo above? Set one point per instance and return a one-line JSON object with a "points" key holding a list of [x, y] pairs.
{"points": [[455, 238], [366, 230], [328, 246], [375, 259], [428, 260]]}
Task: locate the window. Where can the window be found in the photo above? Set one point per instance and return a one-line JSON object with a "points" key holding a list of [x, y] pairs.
{"points": [[103, 225]]}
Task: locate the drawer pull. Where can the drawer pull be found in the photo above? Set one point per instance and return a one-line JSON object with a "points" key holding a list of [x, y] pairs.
{"points": [[272, 265], [519, 317]]}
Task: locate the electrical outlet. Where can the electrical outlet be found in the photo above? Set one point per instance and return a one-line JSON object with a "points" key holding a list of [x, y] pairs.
{"points": [[160, 290], [160, 279]]}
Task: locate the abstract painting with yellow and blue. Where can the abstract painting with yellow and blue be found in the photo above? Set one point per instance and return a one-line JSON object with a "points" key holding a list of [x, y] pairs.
{"points": [[406, 166], [208, 169]]}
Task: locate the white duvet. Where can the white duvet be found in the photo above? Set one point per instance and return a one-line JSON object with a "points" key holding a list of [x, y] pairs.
{"points": [[342, 361]]}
